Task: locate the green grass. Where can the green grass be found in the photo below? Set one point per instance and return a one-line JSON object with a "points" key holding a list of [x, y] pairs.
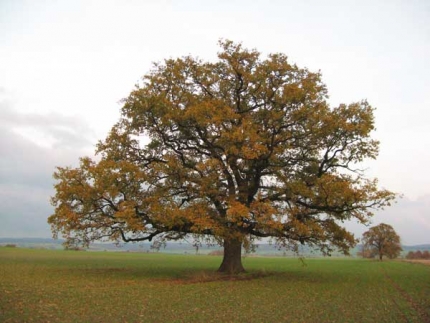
{"points": [[60, 286]]}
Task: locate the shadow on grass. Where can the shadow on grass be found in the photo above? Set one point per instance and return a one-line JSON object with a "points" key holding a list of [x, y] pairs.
{"points": [[193, 276], [208, 276], [180, 273]]}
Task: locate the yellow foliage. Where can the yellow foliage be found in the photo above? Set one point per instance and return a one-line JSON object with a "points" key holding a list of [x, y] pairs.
{"points": [[240, 147]]}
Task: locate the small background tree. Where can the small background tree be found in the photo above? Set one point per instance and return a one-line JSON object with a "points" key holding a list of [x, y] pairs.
{"points": [[381, 240]]}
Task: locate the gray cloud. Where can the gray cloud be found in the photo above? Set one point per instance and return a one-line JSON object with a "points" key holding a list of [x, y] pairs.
{"points": [[26, 167], [65, 132], [24, 210]]}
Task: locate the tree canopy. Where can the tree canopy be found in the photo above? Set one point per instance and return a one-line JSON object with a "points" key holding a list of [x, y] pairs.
{"points": [[381, 240], [234, 150]]}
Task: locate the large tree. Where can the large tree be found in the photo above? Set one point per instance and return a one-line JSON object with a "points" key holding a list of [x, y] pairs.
{"points": [[381, 240], [233, 150]]}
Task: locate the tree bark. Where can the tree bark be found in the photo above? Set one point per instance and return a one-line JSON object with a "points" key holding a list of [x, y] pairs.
{"points": [[232, 260]]}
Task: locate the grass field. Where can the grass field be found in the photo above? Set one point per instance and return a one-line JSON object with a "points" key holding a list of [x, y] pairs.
{"points": [[67, 286]]}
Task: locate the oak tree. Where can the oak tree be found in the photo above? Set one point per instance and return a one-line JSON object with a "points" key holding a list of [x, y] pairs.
{"points": [[381, 240], [234, 150]]}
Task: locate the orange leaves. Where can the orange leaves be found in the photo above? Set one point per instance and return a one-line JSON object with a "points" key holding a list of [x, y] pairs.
{"points": [[202, 218], [237, 212], [88, 197], [127, 213], [242, 146]]}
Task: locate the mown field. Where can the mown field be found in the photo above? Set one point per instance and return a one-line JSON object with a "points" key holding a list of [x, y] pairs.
{"points": [[68, 286]]}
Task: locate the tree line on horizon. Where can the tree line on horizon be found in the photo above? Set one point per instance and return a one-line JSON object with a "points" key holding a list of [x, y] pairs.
{"points": [[418, 254]]}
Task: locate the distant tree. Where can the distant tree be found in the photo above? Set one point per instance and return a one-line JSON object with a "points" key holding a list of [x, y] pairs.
{"points": [[366, 253], [418, 254], [382, 240], [410, 255], [236, 150]]}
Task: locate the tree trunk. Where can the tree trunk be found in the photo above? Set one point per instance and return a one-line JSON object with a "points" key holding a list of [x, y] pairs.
{"points": [[232, 261]]}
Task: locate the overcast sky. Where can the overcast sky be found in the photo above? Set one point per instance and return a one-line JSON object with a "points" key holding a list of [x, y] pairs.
{"points": [[65, 65]]}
